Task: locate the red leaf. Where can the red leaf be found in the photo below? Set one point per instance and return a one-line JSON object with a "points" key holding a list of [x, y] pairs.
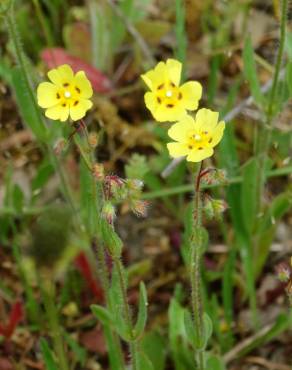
{"points": [[84, 267], [15, 317], [54, 57]]}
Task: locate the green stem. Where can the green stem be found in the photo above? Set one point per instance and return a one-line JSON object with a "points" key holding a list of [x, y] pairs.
{"points": [[98, 198], [265, 135], [127, 313], [195, 268], [48, 292]]}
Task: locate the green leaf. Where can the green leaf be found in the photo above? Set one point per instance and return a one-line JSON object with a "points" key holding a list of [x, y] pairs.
{"points": [[142, 312], [208, 328], [111, 238], [27, 105], [18, 198], [215, 363], [154, 345], [47, 355], [44, 172], [189, 328], [267, 228], [79, 352], [143, 362], [250, 72], [181, 352], [117, 304], [102, 314]]}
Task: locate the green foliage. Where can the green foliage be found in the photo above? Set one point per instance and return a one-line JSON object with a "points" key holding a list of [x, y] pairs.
{"points": [[47, 355], [111, 238], [137, 167], [50, 234], [154, 345], [142, 312], [250, 72]]}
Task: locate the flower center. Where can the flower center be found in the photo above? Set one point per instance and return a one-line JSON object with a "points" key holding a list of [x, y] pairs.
{"points": [[168, 94], [197, 137], [67, 94]]}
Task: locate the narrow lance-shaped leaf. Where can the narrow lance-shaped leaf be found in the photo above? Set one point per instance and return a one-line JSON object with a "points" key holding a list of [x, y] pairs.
{"points": [[142, 313], [47, 355]]}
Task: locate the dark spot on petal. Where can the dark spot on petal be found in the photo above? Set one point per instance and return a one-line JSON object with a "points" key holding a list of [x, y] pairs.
{"points": [[190, 147], [64, 105], [77, 89], [160, 87], [180, 96], [205, 132], [200, 148], [75, 103], [170, 105], [158, 100], [58, 96], [65, 84], [172, 84], [210, 140]]}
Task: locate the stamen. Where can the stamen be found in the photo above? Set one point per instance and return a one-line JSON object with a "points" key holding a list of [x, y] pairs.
{"points": [[67, 94]]}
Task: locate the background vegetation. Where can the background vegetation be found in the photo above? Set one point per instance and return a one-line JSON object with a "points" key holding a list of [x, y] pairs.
{"points": [[52, 297]]}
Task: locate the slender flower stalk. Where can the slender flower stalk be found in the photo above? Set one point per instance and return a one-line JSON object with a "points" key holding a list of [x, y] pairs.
{"points": [[195, 267], [127, 314]]}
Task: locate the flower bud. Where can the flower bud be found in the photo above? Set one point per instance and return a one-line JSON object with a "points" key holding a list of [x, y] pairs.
{"points": [[98, 171], [283, 272], [213, 208], [108, 212], [134, 184], [212, 176], [93, 139], [140, 207]]}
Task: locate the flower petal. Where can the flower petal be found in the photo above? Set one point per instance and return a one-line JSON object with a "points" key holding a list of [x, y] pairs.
{"points": [[47, 95], [151, 101], [156, 76], [77, 112], [218, 133], [61, 74], [58, 112], [179, 130], [83, 85], [177, 149], [198, 155], [206, 119], [165, 114], [191, 94], [174, 70]]}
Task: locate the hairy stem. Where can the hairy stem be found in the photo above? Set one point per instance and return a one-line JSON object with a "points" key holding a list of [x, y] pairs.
{"points": [[127, 312], [195, 267]]}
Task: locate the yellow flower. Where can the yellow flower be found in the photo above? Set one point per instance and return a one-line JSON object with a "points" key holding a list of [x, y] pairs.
{"points": [[196, 138], [67, 94], [167, 100]]}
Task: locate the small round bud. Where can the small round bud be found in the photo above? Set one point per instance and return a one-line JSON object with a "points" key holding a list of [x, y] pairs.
{"points": [[283, 272], [108, 212], [140, 207]]}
